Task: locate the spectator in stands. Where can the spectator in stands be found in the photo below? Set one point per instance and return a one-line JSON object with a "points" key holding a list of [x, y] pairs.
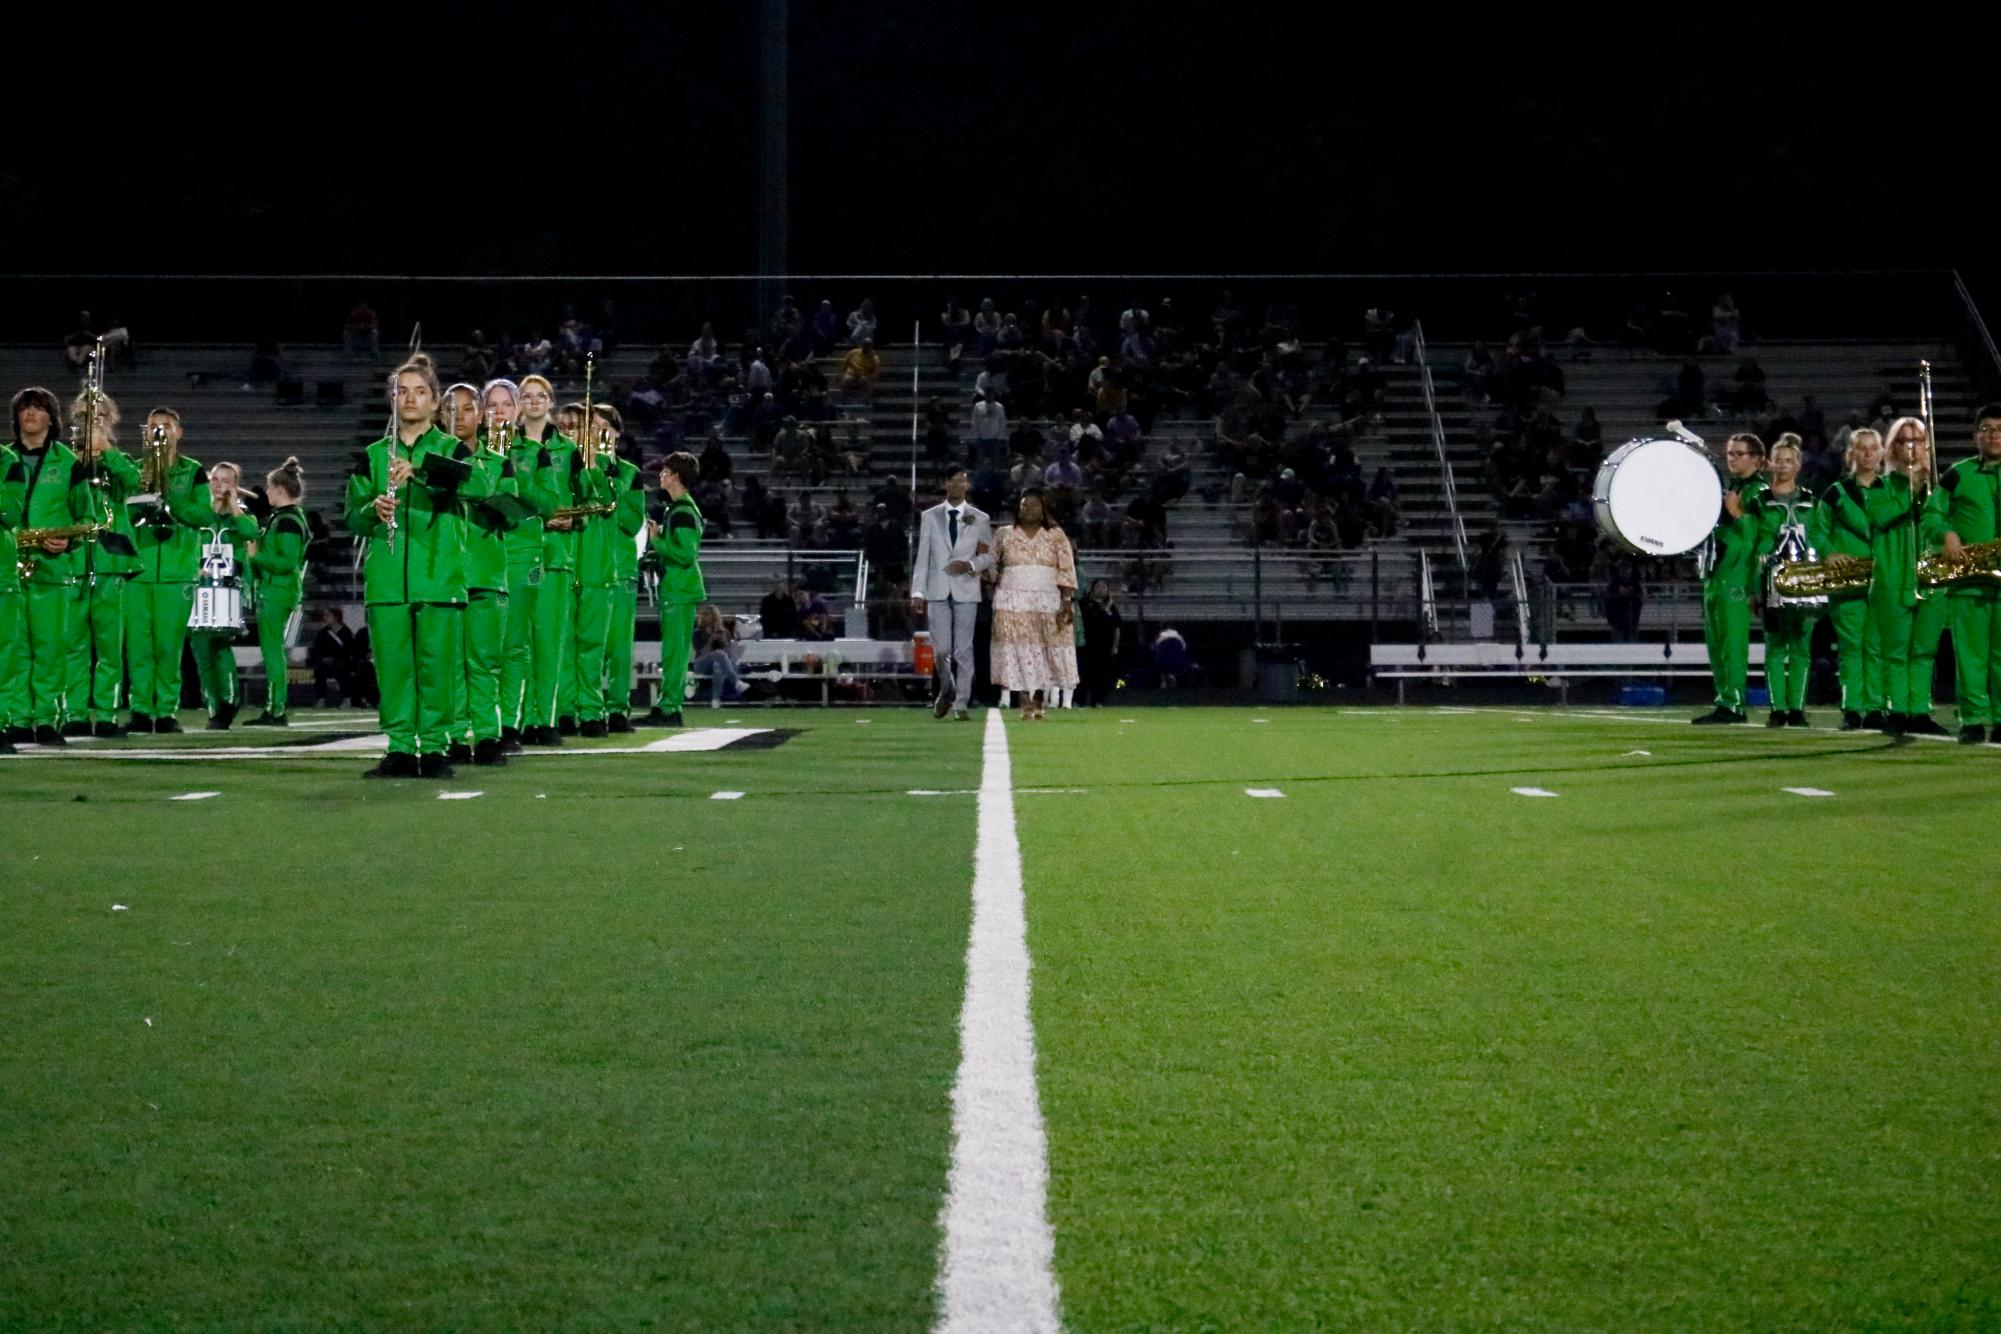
{"points": [[778, 614], [1624, 596], [957, 323], [267, 362], [1749, 394], [118, 343], [860, 368], [331, 656], [806, 520], [861, 324], [786, 322], [823, 329], [990, 434], [790, 448], [814, 623], [1103, 627], [843, 524], [986, 329], [717, 466], [362, 338], [704, 354], [1382, 500], [714, 637], [757, 376], [886, 546], [1725, 323], [81, 342]]}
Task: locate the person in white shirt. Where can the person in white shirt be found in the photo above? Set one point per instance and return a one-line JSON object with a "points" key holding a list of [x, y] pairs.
{"points": [[989, 429], [954, 546]]}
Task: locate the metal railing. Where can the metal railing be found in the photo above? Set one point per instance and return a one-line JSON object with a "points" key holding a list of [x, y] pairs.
{"points": [[1983, 340], [1518, 576], [1427, 596], [1438, 444]]}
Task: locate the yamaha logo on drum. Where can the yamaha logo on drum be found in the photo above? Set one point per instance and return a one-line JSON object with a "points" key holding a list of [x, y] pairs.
{"points": [[1653, 541]]}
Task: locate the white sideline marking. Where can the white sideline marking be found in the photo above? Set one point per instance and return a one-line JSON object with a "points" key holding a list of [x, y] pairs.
{"points": [[119, 907], [695, 739], [1809, 791], [996, 1270], [194, 796], [459, 796], [1629, 754], [1262, 792], [1260, 720], [1532, 791], [726, 796]]}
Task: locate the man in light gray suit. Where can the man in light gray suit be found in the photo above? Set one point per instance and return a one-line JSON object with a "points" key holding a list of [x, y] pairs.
{"points": [[955, 542]]}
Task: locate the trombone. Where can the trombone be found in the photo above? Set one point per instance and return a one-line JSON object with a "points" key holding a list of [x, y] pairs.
{"points": [[1931, 462], [590, 444]]}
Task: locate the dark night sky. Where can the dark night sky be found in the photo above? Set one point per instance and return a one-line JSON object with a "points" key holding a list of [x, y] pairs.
{"points": [[932, 137]]}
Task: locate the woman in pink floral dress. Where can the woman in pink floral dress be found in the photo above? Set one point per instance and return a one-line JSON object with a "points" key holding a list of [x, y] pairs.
{"points": [[1034, 651]]}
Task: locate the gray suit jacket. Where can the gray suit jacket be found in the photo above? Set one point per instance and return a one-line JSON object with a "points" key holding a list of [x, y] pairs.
{"points": [[935, 550]]}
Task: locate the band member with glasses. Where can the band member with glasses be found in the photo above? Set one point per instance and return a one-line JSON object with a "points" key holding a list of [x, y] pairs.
{"points": [[1730, 581], [1967, 505], [1840, 527], [1905, 626], [168, 534]]}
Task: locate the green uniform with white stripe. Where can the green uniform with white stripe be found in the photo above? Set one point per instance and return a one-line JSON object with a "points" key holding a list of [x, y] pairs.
{"points": [[682, 593], [597, 578], [525, 542], [1839, 526], [96, 664], [1728, 589], [13, 627], [161, 594], [1788, 629], [51, 494], [1967, 503], [278, 573], [555, 605], [630, 487], [487, 597]]}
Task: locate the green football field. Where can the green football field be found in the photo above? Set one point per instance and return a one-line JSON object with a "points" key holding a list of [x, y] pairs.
{"points": [[1705, 1035]]}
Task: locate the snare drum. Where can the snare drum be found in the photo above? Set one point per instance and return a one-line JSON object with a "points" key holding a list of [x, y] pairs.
{"points": [[1657, 497], [216, 607]]}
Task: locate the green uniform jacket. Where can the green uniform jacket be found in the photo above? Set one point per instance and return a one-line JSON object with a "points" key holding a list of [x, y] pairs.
{"points": [[238, 529], [1967, 500], [13, 490], [535, 485], [486, 527], [597, 542], [631, 517], [119, 478], [1735, 563], [168, 541], [428, 563], [1840, 522], [1894, 539], [1775, 516], [278, 570], [559, 550], [679, 546], [53, 494]]}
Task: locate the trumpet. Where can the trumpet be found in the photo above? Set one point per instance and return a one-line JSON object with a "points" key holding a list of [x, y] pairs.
{"points": [[499, 434], [591, 443], [571, 513]]}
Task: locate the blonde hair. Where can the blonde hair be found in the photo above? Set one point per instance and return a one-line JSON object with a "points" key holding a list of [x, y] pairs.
{"points": [[1856, 437], [1788, 440], [290, 475], [418, 365], [1890, 436], [107, 415], [542, 380]]}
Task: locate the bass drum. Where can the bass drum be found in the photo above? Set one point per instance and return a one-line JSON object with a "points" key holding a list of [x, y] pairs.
{"points": [[1657, 497]]}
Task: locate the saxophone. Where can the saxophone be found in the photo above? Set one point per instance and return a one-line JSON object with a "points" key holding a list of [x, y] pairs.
{"points": [[1799, 580], [32, 543]]}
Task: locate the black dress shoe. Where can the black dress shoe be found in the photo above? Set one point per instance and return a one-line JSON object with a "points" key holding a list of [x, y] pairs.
{"points": [[1973, 735], [566, 726], [435, 765], [394, 765], [1923, 724], [224, 715], [1797, 718], [6, 746], [1872, 721], [458, 753], [593, 728], [76, 729], [655, 717], [19, 734], [167, 724], [139, 722], [618, 722], [107, 731], [510, 740], [673, 719], [50, 736], [1851, 721], [1720, 715], [488, 751], [1776, 718]]}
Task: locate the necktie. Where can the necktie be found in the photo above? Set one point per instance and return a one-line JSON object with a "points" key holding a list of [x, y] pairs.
{"points": [[953, 515]]}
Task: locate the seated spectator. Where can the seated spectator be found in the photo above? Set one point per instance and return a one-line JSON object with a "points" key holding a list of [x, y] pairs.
{"points": [[717, 465], [806, 520], [118, 343], [714, 638], [813, 622], [957, 323], [778, 613], [362, 337], [790, 448], [860, 368], [1725, 323], [843, 524], [1096, 518], [80, 343], [990, 433], [823, 329], [861, 324], [1085, 437]]}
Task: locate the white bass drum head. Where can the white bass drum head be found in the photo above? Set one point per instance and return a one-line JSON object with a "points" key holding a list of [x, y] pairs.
{"points": [[1657, 497]]}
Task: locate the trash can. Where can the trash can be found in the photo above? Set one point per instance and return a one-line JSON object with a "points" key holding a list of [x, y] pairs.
{"points": [[1278, 673]]}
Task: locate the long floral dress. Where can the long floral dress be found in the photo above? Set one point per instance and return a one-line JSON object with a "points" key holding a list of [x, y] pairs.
{"points": [[1032, 650]]}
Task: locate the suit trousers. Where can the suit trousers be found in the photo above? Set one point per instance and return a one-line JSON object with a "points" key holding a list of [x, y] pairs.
{"points": [[951, 624]]}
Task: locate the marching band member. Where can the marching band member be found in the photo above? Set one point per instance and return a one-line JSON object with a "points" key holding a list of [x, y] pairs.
{"points": [[13, 634], [597, 568], [555, 614], [1784, 512], [629, 486], [1967, 505], [1906, 628], [158, 598], [96, 666], [529, 462], [1840, 527], [52, 493], [487, 588], [678, 542], [459, 411], [278, 576], [404, 496], [228, 539], [1730, 581]]}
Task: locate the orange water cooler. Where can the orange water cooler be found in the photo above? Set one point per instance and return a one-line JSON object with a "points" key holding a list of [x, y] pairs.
{"points": [[923, 658]]}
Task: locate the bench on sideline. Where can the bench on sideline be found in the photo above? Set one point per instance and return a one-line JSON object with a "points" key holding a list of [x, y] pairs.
{"points": [[1550, 664]]}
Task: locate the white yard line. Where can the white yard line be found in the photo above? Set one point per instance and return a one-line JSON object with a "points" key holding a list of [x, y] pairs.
{"points": [[694, 739], [1532, 792], [996, 1268]]}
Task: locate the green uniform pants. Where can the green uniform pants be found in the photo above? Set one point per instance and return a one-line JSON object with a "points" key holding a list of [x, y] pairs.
{"points": [[618, 653], [485, 657], [677, 637], [517, 668], [1927, 628], [96, 668], [215, 664], [46, 616], [1788, 656], [13, 656], [156, 626], [1726, 629], [1853, 649], [274, 614], [593, 637], [418, 656], [555, 629], [1906, 640], [1976, 653]]}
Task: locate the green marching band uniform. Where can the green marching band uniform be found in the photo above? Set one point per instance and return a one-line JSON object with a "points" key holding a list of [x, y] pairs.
{"points": [[13, 669], [1967, 503], [47, 489], [1839, 526], [215, 650], [630, 487], [489, 522], [525, 542], [597, 577], [414, 585], [1788, 629], [1729, 587], [161, 595], [96, 668], [555, 614], [1903, 630], [682, 593], [278, 572]]}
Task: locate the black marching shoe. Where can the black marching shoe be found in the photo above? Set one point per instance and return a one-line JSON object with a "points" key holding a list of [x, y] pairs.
{"points": [[394, 765], [268, 719], [139, 722], [541, 736], [1896, 724], [566, 726], [167, 724], [19, 735], [224, 715], [1777, 718], [108, 731], [618, 722], [1720, 715], [593, 728], [74, 728], [673, 719], [1972, 735], [1923, 724], [655, 717], [458, 753], [1796, 718], [50, 736], [510, 740], [1872, 721], [488, 752], [1851, 721], [6, 746], [435, 765]]}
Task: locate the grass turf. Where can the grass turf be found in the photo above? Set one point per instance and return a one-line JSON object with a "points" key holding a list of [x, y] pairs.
{"points": [[592, 1049], [1403, 1049]]}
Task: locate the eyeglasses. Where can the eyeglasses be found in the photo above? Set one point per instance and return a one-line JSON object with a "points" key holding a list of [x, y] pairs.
{"points": [[1987, 430]]}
